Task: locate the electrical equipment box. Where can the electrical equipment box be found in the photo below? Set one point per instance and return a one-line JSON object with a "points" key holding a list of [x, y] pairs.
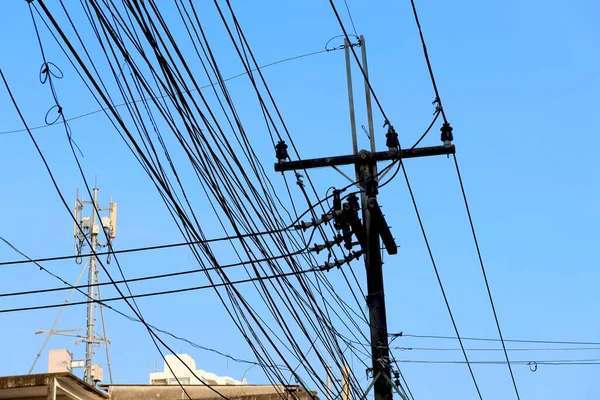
{"points": [[97, 373], [113, 219]]}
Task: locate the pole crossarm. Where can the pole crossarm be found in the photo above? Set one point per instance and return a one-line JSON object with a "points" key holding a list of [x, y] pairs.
{"points": [[364, 157]]}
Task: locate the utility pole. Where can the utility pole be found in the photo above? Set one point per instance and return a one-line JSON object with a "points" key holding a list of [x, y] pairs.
{"points": [[373, 227]]}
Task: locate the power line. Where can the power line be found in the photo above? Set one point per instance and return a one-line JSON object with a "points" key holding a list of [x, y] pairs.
{"points": [[498, 340], [143, 278], [439, 279], [54, 182], [362, 70], [487, 285], [171, 245], [593, 361], [165, 292], [351, 19], [227, 207], [182, 217], [129, 317], [488, 349], [191, 90], [441, 110], [426, 54]]}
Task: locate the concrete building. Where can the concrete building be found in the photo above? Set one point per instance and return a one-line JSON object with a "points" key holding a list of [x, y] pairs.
{"points": [[204, 386], [51, 386], [163, 385], [180, 366], [202, 392]]}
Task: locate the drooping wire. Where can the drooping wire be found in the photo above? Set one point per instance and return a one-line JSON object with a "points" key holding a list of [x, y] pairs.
{"points": [[426, 54], [485, 278], [78, 289], [439, 279]]}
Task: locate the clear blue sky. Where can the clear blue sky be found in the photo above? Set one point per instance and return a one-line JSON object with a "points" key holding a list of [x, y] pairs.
{"points": [[519, 82]]}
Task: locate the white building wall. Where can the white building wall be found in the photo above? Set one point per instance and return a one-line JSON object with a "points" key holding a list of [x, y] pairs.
{"points": [[182, 372]]}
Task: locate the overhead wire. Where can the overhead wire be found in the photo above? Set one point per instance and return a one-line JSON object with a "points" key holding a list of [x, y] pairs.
{"points": [[160, 293], [66, 205], [78, 289], [96, 211], [143, 278], [87, 114], [486, 339], [259, 71], [442, 111], [152, 334], [186, 228]]}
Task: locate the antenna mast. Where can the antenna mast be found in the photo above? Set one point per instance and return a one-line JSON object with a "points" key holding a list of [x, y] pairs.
{"points": [[86, 231]]}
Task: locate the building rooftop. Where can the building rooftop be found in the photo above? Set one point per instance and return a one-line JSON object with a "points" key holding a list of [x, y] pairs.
{"points": [[62, 385], [204, 392]]}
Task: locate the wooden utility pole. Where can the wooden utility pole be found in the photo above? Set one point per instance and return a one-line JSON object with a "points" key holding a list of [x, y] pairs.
{"points": [[374, 229]]}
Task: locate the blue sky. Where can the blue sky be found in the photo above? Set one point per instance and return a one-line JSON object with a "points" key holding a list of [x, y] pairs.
{"points": [[518, 81]]}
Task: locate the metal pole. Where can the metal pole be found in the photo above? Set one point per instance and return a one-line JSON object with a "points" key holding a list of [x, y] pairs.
{"points": [[375, 294], [351, 98], [105, 338], [53, 329], [345, 382], [368, 94], [329, 396], [91, 295]]}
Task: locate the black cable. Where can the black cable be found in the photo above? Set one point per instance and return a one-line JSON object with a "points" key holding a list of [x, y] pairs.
{"points": [[437, 114], [487, 285], [441, 110], [73, 287], [166, 246], [259, 71], [143, 278], [164, 292], [484, 349], [191, 90], [594, 361], [426, 54], [152, 334], [362, 70], [497, 340], [350, 15], [439, 279], [186, 228]]}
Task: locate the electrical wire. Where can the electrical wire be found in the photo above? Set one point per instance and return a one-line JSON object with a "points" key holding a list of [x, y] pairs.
{"points": [[284, 60], [351, 19], [153, 335], [426, 54], [441, 110], [187, 226], [594, 361], [74, 287], [509, 349], [581, 343], [439, 279], [161, 293], [487, 285], [143, 278], [167, 246]]}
